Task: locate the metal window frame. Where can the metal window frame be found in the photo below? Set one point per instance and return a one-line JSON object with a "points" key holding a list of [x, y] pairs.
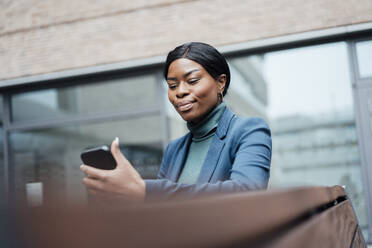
{"points": [[6, 122], [349, 33], [359, 80], [361, 84], [83, 119]]}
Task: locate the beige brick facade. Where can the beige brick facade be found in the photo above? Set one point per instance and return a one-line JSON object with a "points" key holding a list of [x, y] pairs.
{"points": [[38, 37]]}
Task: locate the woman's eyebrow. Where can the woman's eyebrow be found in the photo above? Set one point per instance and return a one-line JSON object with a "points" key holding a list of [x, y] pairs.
{"points": [[189, 72], [184, 75], [171, 79]]}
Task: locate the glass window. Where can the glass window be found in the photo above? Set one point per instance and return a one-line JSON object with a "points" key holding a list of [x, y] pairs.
{"points": [[112, 95], [52, 156], [247, 94], [2, 176], [364, 54], [305, 95], [1, 110], [1, 145]]}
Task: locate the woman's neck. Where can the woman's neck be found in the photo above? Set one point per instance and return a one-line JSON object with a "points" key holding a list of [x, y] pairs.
{"points": [[200, 119], [208, 122]]}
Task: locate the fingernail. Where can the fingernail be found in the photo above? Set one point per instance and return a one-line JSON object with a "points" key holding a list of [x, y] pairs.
{"points": [[117, 141]]}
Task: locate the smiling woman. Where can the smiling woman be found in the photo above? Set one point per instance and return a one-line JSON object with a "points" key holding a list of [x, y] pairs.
{"points": [[198, 77], [192, 91], [222, 153]]}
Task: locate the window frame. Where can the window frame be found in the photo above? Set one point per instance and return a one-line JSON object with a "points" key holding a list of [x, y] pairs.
{"points": [[361, 87]]}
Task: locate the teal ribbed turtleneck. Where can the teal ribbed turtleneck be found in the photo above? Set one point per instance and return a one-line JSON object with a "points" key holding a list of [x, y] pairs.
{"points": [[202, 135]]}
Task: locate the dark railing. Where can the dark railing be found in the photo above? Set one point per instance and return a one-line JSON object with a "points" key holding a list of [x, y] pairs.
{"points": [[296, 217]]}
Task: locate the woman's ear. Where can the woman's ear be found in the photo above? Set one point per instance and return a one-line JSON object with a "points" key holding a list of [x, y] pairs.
{"points": [[221, 83]]}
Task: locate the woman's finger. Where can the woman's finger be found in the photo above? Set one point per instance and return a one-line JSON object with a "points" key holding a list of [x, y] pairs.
{"points": [[93, 184], [93, 172]]}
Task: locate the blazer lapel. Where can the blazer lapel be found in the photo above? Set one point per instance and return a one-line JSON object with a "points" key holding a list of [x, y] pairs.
{"points": [[180, 159], [210, 162], [215, 149]]}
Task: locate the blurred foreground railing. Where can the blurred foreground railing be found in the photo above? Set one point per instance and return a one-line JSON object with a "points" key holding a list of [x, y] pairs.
{"points": [[299, 217]]}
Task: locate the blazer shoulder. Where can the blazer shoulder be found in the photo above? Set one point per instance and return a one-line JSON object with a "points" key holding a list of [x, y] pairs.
{"points": [[253, 131], [250, 124]]}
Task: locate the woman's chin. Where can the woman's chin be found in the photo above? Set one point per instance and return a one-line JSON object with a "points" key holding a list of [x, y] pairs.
{"points": [[191, 118], [187, 116]]}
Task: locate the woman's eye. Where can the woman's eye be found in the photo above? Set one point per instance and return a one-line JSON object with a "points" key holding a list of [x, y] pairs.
{"points": [[172, 86], [192, 81]]}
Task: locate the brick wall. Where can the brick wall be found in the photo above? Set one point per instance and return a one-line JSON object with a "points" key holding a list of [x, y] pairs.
{"points": [[38, 36]]}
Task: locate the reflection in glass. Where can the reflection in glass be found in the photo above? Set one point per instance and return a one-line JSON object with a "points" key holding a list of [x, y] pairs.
{"points": [[364, 54], [247, 94], [111, 95], [2, 186], [52, 156], [306, 97]]}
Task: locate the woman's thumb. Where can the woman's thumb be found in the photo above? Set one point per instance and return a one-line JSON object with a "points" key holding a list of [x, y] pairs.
{"points": [[116, 153]]}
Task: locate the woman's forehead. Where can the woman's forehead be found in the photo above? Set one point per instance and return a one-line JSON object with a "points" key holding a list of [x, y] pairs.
{"points": [[184, 65]]}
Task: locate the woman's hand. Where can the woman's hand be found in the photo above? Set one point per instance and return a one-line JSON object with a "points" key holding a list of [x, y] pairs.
{"points": [[122, 183]]}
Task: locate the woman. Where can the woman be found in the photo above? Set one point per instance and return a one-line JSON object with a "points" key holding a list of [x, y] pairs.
{"points": [[222, 153]]}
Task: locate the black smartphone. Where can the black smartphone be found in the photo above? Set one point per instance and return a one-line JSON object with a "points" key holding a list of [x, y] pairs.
{"points": [[99, 157]]}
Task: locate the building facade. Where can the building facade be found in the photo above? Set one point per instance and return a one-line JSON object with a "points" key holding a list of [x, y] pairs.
{"points": [[75, 74]]}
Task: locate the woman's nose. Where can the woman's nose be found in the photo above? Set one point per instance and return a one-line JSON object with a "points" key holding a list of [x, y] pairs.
{"points": [[182, 90]]}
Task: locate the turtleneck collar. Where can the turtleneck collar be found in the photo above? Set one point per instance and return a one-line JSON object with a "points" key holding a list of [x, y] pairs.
{"points": [[204, 127]]}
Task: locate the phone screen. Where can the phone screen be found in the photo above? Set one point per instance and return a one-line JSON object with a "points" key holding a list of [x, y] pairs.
{"points": [[99, 157]]}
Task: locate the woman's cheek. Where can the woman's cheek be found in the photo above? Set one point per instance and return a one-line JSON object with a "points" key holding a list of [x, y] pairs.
{"points": [[170, 97], [202, 91]]}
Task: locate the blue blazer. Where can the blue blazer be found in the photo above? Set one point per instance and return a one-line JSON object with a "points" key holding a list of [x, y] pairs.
{"points": [[238, 159]]}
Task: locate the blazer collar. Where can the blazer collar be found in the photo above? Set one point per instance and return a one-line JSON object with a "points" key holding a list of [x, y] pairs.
{"points": [[211, 159], [215, 148], [224, 123]]}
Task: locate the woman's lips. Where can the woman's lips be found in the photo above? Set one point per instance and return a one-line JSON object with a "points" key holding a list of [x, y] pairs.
{"points": [[185, 106]]}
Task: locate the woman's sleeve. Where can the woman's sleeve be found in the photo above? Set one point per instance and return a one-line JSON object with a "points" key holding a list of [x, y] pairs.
{"points": [[249, 171]]}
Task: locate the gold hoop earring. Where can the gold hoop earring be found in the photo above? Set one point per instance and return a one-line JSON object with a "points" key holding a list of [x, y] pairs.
{"points": [[220, 96]]}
